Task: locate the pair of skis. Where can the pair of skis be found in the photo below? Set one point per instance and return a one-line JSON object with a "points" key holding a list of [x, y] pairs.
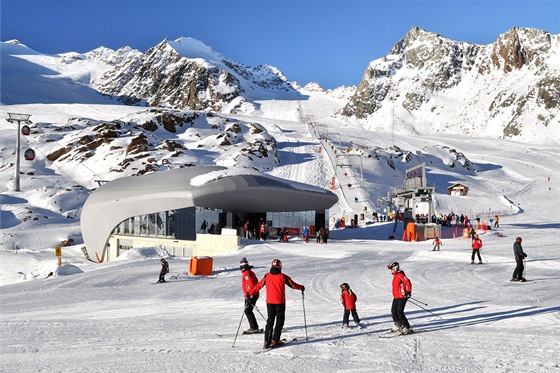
{"points": [[284, 343], [392, 334]]}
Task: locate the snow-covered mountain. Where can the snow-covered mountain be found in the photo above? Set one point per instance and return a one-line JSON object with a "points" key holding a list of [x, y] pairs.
{"points": [[188, 74], [428, 83]]}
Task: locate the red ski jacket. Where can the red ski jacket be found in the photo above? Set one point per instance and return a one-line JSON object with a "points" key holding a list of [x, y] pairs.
{"points": [[248, 281], [477, 244], [348, 299], [275, 282], [401, 285]]}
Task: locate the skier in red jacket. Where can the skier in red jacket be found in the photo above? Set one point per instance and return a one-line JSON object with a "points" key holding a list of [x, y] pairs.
{"points": [[476, 246], [402, 289], [348, 299], [248, 280], [275, 282]]}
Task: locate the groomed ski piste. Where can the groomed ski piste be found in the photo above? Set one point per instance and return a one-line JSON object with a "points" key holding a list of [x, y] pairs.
{"points": [[91, 317]]}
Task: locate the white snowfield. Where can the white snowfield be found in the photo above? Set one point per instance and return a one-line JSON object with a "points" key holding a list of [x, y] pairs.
{"points": [[111, 317]]}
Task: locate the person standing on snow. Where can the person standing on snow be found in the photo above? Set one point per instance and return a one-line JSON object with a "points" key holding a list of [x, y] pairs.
{"points": [[248, 281], [275, 282], [436, 243], [496, 221], [306, 234], [476, 246], [348, 299], [519, 256], [402, 289], [164, 270]]}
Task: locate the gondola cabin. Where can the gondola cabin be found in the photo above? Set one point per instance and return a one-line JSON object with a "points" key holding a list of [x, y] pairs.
{"points": [[29, 155]]}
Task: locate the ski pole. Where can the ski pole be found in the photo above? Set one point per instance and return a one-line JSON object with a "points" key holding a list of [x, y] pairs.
{"points": [[239, 327], [304, 318], [419, 306], [524, 268], [259, 311], [484, 256], [416, 300]]}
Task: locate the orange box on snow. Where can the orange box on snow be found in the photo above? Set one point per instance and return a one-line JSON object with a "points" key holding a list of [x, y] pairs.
{"points": [[201, 266]]}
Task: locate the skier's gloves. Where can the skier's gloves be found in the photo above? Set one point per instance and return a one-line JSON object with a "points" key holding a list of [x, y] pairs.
{"points": [[302, 288], [524, 255], [407, 295]]}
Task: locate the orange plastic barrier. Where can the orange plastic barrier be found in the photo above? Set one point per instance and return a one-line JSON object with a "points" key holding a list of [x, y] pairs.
{"points": [[201, 266]]}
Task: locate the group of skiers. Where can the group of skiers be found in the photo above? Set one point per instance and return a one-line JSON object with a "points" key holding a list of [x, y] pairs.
{"points": [[258, 232], [276, 282]]}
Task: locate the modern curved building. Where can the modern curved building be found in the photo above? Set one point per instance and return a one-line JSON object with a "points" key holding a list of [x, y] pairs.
{"points": [[167, 208]]}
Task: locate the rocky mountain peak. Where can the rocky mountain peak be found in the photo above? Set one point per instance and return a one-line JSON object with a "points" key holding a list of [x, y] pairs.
{"points": [[506, 88]]}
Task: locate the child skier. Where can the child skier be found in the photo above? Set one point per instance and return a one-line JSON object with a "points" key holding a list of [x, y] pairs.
{"points": [[476, 247], [348, 299]]}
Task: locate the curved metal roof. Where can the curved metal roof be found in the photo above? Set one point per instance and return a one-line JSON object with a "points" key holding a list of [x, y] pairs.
{"points": [[204, 186]]}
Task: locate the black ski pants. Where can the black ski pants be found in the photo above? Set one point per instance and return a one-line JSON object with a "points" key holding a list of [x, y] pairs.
{"points": [[276, 312], [397, 311], [346, 316], [518, 272], [249, 305], [477, 252]]}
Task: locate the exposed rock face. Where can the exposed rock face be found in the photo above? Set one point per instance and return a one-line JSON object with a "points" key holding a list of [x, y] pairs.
{"points": [[508, 88], [156, 139]]}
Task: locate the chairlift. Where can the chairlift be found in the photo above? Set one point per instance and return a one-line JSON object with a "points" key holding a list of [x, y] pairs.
{"points": [[25, 130], [29, 154]]}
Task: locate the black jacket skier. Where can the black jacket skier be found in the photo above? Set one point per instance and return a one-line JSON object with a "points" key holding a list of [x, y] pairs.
{"points": [[519, 256], [164, 270]]}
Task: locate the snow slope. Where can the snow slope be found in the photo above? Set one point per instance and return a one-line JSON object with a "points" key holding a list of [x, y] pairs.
{"points": [[108, 317]]}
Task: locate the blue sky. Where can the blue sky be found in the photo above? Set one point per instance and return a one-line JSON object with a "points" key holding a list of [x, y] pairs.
{"points": [[329, 42]]}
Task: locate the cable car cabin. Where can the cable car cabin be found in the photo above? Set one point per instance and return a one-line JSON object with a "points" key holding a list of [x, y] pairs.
{"points": [[29, 154], [25, 130]]}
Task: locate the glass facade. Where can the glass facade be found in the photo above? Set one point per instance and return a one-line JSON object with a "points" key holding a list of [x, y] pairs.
{"points": [[185, 223]]}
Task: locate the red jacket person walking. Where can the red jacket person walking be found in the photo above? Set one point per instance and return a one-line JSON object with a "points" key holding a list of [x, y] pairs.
{"points": [[275, 282]]}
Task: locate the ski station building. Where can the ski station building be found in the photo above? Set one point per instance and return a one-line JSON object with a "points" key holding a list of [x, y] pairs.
{"points": [[176, 210]]}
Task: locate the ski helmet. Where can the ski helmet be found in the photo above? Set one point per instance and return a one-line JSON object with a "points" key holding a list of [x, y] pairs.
{"points": [[518, 239], [394, 266], [344, 285], [277, 263]]}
